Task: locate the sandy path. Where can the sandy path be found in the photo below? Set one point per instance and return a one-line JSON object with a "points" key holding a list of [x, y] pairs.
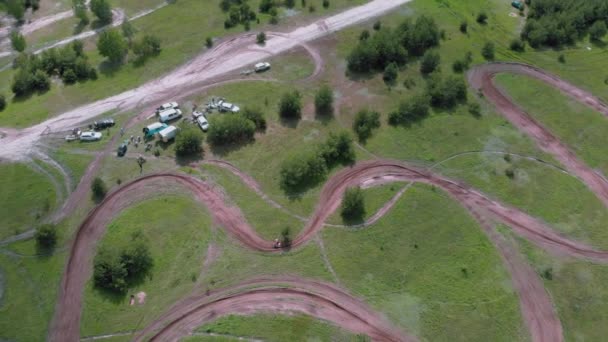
{"points": [[234, 54], [481, 77], [369, 173], [283, 294]]}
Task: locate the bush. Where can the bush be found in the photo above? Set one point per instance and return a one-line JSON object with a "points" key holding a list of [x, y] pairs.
{"points": [[488, 51], [391, 72], [409, 112], [302, 170], [2, 102], [338, 148], [353, 205], [377, 25], [46, 236], [464, 25], [147, 47], [15, 8], [364, 35], [112, 45], [482, 18], [598, 30], [459, 66], [475, 109], [266, 5], [446, 92], [325, 4], [430, 62], [290, 106], [256, 116], [230, 129], [189, 141], [69, 77], [561, 58], [324, 100], [99, 189], [261, 38], [80, 11], [517, 45], [102, 10], [18, 41], [209, 42], [365, 122]]}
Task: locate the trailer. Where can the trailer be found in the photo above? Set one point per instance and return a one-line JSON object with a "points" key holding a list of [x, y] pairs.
{"points": [[154, 128], [168, 133]]}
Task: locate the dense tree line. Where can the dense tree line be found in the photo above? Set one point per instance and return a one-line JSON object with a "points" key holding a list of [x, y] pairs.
{"points": [[387, 45], [558, 22], [239, 12], [17, 8], [116, 269], [309, 168], [70, 63]]}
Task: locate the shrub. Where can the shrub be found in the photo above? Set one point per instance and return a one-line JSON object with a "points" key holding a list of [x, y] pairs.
{"points": [[517, 45], [482, 18], [290, 105], [69, 76], [102, 10], [209, 42], [459, 66], [561, 58], [365, 122], [324, 100], [353, 205], [261, 38], [364, 35], [475, 109], [18, 41], [189, 141], [430, 62], [409, 112], [112, 45], [464, 26], [230, 129], [325, 4], [338, 148], [488, 51], [2, 102], [377, 25], [446, 92], [256, 116], [598, 30], [391, 72], [99, 189], [46, 236], [148, 46], [302, 170]]}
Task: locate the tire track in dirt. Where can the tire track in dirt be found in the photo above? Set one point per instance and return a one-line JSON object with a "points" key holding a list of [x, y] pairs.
{"points": [[367, 174], [482, 78]]}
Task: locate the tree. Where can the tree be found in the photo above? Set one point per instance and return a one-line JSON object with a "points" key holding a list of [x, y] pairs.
{"points": [[488, 51], [302, 170], [2, 102], [109, 271], [112, 45], [464, 26], [99, 189], [148, 46], [102, 10], [286, 237], [18, 41], [353, 205], [324, 100], [189, 142], [80, 11], [69, 76], [391, 72], [128, 31], [209, 42], [46, 236], [517, 45], [136, 258], [430, 62], [482, 18], [15, 8], [338, 148], [261, 38], [266, 5], [446, 92], [290, 105], [41, 81], [365, 122], [598, 30], [231, 129], [364, 35], [377, 25], [409, 112], [325, 4], [256, 116]]}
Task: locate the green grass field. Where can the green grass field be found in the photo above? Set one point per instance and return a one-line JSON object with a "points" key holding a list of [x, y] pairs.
{"points": [[273, 328], [27, 197], [578, 126], [432, 272]]}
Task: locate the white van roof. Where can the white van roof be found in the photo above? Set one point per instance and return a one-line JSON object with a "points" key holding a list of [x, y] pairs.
{"points": [[154, 126], [167, 131]]}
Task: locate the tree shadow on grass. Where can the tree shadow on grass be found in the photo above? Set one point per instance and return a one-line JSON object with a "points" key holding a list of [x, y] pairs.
{"points": [[224, 150], [108, 68], [290, 122], [360, 76]]}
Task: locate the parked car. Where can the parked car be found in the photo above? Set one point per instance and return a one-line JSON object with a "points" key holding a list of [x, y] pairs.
{"points": [[261, 67], [202, 123], [165, 106], [169, 114], [103, 124], [228, 107], [197, 113], [122, 150], [71, 137], [90, 136]]}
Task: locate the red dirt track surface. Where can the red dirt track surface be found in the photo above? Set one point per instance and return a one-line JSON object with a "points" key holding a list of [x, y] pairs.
{"points": [[482, 77]]}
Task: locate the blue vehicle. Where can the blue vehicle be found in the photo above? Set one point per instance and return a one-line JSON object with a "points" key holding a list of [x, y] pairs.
{"points": [[154, 128]]}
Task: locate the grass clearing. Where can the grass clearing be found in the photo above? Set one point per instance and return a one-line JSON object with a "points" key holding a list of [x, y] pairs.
{"points": [[27, 196], [275, 328], [178, 230], [578, 126], [432, 272]]}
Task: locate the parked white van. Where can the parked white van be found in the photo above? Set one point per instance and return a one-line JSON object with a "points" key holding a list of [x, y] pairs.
{"points": [[169, 114], [165, 106], [168, 133]]}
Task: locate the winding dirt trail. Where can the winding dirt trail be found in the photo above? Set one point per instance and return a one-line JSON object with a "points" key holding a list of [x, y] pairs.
{"points": [[275, 294], [371, 173], [482, 77]]}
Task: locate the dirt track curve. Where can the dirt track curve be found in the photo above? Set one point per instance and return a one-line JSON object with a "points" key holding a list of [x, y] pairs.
{"points": [[536, 305], [482, 77]]}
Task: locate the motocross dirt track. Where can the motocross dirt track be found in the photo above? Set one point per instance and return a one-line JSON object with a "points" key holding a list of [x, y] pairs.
{"points": [[482, 77], [534, 300]]}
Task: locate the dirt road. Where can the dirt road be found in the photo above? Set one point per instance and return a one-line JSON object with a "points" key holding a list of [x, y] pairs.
{"points": [[234, 54], [284, 295], [481, 77], [371, 173]]}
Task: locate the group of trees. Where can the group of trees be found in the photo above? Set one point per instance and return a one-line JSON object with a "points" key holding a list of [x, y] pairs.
{"points": [[116, 269], [17, 8], [309, 168], [366, 121], [290, 105], [115, 45], [70, 63], [557, 22], [353, 205], [230, 129], [387, 46], [189, 141], [239, 12]]}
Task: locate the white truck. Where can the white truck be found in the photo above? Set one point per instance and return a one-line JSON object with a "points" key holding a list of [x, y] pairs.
{"points": [[169, 114], [168, 133]]}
